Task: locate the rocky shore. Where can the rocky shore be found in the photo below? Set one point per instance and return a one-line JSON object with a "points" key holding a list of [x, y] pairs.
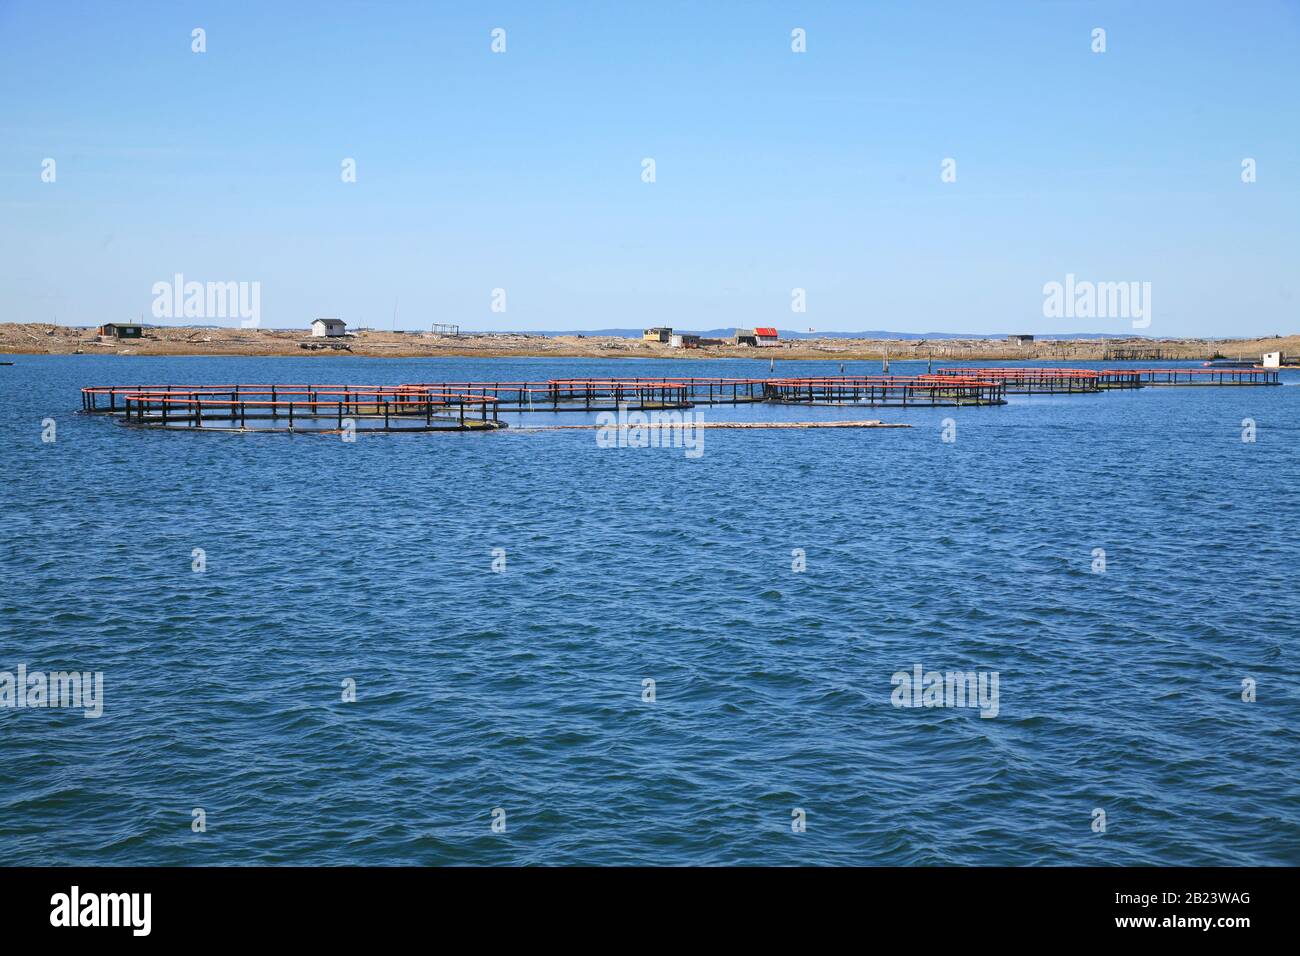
{"points": [[46, 339]]}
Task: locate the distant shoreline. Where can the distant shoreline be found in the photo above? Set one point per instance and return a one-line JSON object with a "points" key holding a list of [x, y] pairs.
{"points": [[48, 339]]}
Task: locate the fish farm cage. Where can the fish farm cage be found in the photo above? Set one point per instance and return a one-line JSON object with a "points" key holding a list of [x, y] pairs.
{"points": [[294, 407], [608, 394], [1028, 381], [1066, 380], [1201, 376], [478, 406], [948, 390]]}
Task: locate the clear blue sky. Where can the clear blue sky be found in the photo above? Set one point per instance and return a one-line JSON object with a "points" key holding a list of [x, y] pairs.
{"points": [[775, 170]]}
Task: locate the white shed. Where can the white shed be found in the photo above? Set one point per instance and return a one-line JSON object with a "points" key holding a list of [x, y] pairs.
{"points": [[328, 328], [1272, 360]]}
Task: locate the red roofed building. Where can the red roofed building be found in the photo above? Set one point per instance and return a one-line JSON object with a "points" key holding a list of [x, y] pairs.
{"points": [[760, 336]]}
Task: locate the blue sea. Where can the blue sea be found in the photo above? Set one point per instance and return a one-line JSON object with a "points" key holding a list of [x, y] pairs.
{"points": [[506, 716]]}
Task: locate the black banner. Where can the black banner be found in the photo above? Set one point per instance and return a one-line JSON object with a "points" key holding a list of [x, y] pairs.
{"points": [[336, 905]]}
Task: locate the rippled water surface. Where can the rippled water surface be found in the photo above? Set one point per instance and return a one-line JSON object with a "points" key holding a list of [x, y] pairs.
{"points": [[522, 690]]}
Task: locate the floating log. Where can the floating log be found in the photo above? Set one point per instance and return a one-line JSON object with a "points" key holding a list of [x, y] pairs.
{"points": [[852, 424]]}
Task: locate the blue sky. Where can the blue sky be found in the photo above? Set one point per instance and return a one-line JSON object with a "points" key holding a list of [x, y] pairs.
{"points": [[774, 170]]}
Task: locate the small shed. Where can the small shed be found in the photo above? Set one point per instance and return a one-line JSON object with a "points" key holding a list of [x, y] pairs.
{"points": [[121, 330], [766, 336], [1020, 339], [1273, 360], [328, 328], [657, 335], [684, 340]]}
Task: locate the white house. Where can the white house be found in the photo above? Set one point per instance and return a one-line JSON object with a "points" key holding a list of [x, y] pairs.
{"points": [[328, 328]]}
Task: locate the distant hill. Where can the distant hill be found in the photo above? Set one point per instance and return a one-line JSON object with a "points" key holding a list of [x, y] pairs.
{"points": [[788, 334]]}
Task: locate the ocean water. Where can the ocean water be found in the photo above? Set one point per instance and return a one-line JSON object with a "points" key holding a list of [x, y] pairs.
{"points": [[519, 695]]}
